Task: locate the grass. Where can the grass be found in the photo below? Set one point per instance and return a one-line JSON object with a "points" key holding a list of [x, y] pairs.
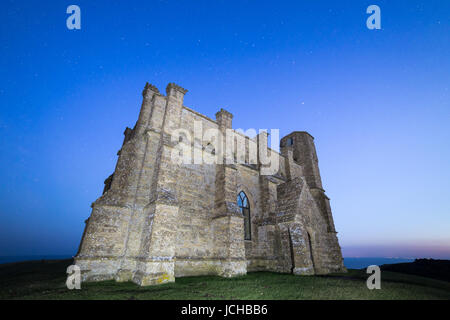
{"points": [[46, 280]]}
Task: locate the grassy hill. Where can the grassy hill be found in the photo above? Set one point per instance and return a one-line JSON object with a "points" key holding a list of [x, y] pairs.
{"points": [[46, 280]]}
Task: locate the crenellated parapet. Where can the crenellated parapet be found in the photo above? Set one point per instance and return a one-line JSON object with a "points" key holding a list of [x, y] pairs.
{"points": [[149, 88]]}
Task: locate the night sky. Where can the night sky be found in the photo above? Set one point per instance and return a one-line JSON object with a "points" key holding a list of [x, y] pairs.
{"points": [[376, 101]]}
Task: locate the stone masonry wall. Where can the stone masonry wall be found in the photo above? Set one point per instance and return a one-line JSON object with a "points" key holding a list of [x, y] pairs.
{"points": [[158, 219]]}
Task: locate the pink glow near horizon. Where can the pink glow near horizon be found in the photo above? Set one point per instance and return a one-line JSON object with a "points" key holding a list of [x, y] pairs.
{"points": [[398, 251]]}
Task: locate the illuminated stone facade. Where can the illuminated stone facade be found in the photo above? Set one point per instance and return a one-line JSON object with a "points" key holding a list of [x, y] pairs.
{"points": [[158, 219]]}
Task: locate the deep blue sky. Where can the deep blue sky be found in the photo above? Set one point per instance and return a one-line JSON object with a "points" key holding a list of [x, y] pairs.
{"points": [[377, 102]]}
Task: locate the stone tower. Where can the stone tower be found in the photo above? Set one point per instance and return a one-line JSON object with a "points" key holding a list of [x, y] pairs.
{"points": [[159, 219]]}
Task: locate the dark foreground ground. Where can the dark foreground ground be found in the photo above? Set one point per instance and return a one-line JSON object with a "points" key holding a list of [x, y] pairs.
{"points": [[430, 268], [46, 280]]}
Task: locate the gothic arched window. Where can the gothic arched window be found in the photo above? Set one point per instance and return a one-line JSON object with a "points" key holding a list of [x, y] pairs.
{"points": [[244, 206]]}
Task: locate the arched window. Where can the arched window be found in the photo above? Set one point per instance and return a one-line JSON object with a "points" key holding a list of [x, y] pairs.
{"points": [[244, 206]]}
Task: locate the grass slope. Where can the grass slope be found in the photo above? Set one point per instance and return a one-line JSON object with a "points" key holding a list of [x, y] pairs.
{"points": [[46, 280], [430, 268]]}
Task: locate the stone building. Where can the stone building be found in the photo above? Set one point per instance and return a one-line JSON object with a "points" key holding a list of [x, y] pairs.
{"points": [[159, 219]]}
